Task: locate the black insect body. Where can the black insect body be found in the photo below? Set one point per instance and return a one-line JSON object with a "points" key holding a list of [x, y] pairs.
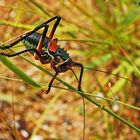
{"points": [[32, 41]]}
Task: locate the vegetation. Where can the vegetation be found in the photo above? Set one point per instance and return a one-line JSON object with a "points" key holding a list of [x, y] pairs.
{"points": [[104, 37]]}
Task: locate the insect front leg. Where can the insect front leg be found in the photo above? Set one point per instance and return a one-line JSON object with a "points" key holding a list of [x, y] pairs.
{"points": [[81, 74], [50, 84], [81, 92]]}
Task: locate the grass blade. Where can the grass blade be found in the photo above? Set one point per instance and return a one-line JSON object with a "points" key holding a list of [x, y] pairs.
{"points": [[86, 97], [19, 72]]}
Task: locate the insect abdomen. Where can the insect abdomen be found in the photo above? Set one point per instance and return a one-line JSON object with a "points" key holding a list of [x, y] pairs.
{"points": [[32, 41]]}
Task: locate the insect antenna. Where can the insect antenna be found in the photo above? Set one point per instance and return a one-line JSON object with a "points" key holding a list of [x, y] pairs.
{"points": [[106, 72], [2, 45]]}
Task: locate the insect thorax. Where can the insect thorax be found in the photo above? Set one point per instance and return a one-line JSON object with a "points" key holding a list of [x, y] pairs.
{"points": [[59, 57]]}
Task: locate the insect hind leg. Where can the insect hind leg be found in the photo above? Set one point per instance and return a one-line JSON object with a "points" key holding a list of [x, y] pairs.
{"points": [[40, 44], [58, 18]]}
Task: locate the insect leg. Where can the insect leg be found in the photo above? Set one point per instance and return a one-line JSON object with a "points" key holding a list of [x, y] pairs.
{"points": [[81, 74], [80, 89], [54, 27], [50, 84], [40, 44], [23, 51], [23, 36]]}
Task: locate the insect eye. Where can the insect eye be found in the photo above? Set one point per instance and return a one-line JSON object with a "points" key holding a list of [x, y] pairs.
{"points": [[59, 51]]}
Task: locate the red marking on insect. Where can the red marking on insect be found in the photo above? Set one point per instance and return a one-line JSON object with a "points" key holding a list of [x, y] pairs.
{"points": [[53, 46]]}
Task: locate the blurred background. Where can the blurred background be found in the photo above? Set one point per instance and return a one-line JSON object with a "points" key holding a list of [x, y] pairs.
{"points": [[102, 35]]}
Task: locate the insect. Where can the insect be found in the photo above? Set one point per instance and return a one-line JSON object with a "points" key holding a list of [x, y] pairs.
{"points": [[46, 50]]}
